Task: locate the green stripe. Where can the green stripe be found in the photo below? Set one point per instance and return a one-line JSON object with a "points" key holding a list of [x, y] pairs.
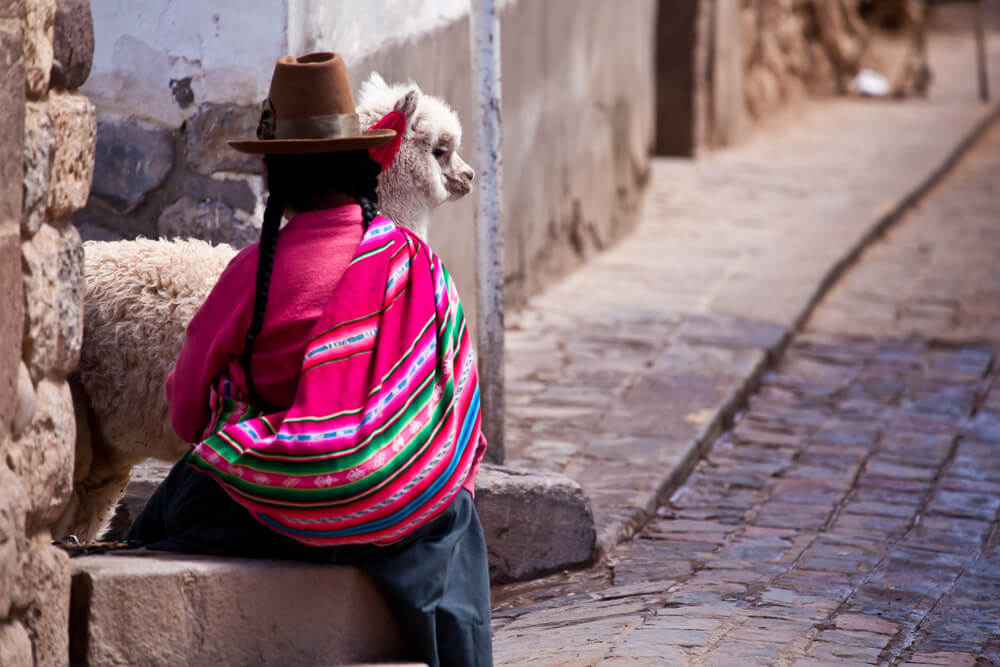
{"points": [[387, 432], [371, 252], [405, 356], [392, 428], [378, 387], [293, 497], [338, 493], [343, 324], [333, 361]]}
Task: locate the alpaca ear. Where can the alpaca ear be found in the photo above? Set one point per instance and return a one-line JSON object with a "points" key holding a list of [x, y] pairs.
{"points": [[407, 104], [375, 80], [371, 86]]}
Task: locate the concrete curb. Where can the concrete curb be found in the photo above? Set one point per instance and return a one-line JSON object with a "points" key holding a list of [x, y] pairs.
{"points": [[883, 223], [616, 532]]}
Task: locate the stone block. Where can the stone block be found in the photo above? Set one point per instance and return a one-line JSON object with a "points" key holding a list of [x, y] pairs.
{"points": [[39, 149], [11, 120], [74, 123], [24, 406], [11, 324], [38, 33], [535, 522], [70, 312], [15, 646], [206, 135], [12, 9], [40, 264], [44, 590], [132, 159], [212, 221], [12, 517], [53, 289], [43, 456], [201, 610], [73, 44]]}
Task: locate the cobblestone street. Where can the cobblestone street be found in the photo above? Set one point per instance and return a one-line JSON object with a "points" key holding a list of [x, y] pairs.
{"points": [[849, 515]]}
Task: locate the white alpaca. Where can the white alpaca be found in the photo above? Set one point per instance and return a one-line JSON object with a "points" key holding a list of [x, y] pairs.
{"points": [[140, 296], [431, 171]]}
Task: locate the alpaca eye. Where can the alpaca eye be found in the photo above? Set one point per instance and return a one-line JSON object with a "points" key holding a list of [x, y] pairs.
{"points": [[438, 152]]}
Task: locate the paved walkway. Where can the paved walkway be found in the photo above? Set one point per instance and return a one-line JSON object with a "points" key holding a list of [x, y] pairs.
{"points": [[621, 374], [850, 513]]}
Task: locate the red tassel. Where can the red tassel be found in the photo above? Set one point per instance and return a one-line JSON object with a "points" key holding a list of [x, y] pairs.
{"points": [[385, 154]]}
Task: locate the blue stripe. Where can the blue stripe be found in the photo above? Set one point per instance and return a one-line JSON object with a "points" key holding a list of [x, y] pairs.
{"points": [[415, 504]]}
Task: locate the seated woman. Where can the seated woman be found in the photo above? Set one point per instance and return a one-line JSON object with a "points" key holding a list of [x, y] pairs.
{"points": [[329, 387]]}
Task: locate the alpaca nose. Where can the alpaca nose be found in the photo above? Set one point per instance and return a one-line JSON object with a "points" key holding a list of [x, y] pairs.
{"points": [[469, 173]]}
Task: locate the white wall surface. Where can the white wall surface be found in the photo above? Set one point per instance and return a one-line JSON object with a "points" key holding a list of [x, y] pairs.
{"points": [[227, 47], [358, 28]]}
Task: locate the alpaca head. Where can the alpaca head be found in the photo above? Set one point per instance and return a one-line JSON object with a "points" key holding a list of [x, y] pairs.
{"points": [[428, 171]]}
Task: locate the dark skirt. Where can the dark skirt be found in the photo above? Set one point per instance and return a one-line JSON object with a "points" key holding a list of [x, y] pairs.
{"points": [[435, 581]]}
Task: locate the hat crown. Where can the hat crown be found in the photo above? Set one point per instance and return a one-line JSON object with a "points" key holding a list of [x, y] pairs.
{"points": [[310, 109], [315, 84]]}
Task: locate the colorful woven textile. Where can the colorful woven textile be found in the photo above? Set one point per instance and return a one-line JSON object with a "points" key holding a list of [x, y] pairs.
{"points": [[385, 421]]}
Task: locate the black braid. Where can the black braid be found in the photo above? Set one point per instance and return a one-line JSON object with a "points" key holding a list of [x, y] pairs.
{"points": [[304, 183], [368, 208], [362, 187], [265, 263]]}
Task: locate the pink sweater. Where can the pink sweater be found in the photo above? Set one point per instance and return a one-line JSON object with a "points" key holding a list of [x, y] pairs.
{"points": [[314, 249]]}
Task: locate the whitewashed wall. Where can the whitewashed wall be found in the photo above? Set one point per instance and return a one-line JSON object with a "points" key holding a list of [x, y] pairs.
{"points": [[226, 47], [358, 28]]}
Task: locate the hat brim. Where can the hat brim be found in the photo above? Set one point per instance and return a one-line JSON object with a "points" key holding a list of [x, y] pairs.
{"points": [[367, 139]]}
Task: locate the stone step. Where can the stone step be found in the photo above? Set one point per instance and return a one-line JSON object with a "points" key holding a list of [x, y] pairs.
{"points": [[146, 608], [535, 522], [155, 608]]}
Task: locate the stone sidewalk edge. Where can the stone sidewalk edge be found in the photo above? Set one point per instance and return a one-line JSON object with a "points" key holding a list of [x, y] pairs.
{"points": [[618, 531]]}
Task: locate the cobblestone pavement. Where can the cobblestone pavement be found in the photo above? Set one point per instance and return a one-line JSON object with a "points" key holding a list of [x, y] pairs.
{"points": [[850, 513], [908, 283], [622, 373]]}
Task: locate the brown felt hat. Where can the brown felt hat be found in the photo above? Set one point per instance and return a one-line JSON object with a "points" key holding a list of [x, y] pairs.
{"points": [[310, 109]]}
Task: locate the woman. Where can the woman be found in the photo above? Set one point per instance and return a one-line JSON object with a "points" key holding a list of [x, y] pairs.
{"points": [[333, 407]]}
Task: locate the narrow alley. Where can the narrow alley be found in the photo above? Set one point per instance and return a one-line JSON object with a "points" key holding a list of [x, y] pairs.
{"points": [[850, 512]]}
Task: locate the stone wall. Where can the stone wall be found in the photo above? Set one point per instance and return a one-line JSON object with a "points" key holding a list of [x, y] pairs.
{"points": [[577, 113], [723, 64], [47, 134], [797, 47]]}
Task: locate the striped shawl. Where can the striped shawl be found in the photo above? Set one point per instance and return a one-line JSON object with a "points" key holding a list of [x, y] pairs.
{"points": [[385, 422]]}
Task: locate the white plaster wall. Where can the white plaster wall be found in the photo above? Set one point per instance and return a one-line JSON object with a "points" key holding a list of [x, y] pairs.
{"points": [[358, 28], [227, 47]]}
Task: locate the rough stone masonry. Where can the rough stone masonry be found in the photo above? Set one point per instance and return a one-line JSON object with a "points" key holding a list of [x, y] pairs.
{"points": [[47, 137]]}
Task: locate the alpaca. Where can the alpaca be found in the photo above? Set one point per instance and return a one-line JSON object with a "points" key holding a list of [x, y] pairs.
{"points": [[431, 172], [140, 296]]}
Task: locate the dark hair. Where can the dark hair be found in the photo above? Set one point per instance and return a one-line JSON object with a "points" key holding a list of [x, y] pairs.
{"points": [[304, 182]]}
